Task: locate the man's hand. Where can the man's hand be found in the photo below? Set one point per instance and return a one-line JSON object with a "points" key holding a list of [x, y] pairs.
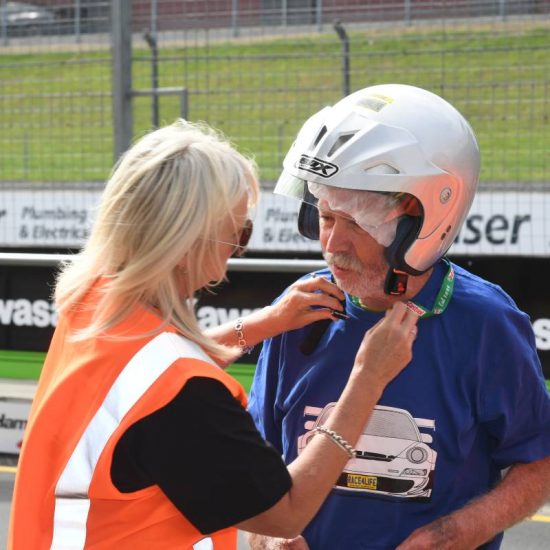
{"points": [[387, 347], [259, 542], [522, 491], [439, 535]]}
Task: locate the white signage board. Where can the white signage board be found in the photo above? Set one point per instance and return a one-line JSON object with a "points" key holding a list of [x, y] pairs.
{"points": [[13, 419], [499, 223], [46, 217], [510, 223], [276, 226]]}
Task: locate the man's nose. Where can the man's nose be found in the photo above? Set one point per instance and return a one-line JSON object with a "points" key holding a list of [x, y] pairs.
{"points": [[337, 237]]}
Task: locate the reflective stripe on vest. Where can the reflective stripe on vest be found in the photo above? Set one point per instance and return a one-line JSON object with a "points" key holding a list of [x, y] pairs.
{"points": [[71, 493], [204, 544]]}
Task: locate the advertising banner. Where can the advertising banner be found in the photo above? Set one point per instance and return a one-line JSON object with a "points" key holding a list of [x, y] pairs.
{"points": [[509, 223], [28, 316], [48, 218], [13, 419]]}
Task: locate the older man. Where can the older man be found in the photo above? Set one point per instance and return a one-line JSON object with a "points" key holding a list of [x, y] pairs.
{"points": [[458, 447]]}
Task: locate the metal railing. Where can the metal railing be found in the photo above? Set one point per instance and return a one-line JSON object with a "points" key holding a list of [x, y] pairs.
{"points": [[234, 264]]}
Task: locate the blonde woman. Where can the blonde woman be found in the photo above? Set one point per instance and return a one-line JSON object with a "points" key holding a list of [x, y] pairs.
{"points": [[137, 439]]}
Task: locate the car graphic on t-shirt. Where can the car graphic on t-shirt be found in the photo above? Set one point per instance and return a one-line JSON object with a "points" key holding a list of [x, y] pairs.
{"points": [[393, 456]]}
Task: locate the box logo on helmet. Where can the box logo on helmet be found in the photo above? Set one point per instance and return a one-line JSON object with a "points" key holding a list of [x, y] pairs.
{"points": [[316, 166]]}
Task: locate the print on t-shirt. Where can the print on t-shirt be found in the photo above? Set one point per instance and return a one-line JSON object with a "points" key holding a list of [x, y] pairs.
{"points": [[393, 456]]}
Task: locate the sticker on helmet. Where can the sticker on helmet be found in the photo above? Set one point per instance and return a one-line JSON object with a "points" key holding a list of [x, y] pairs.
{"points": [[316, 166], [375, 102]]}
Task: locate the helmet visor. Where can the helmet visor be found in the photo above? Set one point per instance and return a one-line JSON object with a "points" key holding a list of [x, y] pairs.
{"points": [[376, 213], [290, 186]]}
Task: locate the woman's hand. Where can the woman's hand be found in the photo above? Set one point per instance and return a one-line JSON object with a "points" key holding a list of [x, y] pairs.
{"points": [[305, 302]]}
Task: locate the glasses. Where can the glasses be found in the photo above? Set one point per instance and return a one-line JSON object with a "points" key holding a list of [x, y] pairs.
{"points": [[244, 238]]}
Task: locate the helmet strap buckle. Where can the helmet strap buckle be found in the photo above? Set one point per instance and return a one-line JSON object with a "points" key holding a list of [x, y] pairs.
{"points": [[396, 282]]}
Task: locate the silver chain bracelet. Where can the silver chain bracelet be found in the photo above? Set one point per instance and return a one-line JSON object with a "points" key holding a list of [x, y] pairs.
{"points": [[241, 340], [338, 439]]}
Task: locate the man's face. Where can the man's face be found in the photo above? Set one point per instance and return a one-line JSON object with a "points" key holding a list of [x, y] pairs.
{"points": [[355, 258]]}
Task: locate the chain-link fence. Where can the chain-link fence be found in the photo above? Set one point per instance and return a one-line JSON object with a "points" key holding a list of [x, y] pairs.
{"points": [[257, 70]]}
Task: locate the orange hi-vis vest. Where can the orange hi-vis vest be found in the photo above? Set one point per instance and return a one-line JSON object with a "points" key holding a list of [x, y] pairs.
{"points": [[88, 395]]}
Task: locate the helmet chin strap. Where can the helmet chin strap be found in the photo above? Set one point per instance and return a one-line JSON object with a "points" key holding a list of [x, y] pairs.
{"points": [[398, 274], [396, 282]]}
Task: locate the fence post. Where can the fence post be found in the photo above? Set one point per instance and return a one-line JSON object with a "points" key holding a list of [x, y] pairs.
{"points": [[235, 17], [153, 44], [77, 20], [4, 23], [502, 9], [184, 104], [121, 41], [319, 15], [151, 39], [343, 35], [408, 12]]}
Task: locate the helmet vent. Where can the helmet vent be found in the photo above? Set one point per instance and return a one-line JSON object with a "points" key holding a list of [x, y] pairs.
{"points": [[320, 136], [381, 169], [339, 143]]}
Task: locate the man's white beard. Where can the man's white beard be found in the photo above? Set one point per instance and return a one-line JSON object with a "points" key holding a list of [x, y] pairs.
{"points": [[364, 281]]}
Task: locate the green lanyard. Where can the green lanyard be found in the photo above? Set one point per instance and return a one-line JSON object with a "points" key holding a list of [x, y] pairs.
{"points": [[441, 300]]}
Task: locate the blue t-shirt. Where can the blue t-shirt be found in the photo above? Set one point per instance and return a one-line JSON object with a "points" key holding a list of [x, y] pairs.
{"points": [[472, 402]]}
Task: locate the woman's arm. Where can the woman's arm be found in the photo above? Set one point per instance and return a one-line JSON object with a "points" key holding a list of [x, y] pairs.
{"points": [[305, 302], [384, 352]]}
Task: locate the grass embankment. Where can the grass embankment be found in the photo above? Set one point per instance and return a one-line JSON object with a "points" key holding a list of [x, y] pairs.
{"points": [[26, 365], [56, 119]]}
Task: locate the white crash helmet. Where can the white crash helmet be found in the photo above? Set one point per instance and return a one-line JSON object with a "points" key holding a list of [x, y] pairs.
{"points": [[391, 138]]}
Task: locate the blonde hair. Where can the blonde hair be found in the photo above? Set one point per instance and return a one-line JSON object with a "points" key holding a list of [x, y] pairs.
{"points": [[167, 199]]}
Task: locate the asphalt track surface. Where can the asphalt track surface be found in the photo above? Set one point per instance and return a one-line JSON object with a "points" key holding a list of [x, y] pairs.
{"points": [[533, 534]]}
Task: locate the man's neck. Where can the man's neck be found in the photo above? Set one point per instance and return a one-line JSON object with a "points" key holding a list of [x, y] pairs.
{"points": [[384, 301]]}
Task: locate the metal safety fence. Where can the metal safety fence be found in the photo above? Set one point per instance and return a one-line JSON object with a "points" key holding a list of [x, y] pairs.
{"points": [[79, 80]]}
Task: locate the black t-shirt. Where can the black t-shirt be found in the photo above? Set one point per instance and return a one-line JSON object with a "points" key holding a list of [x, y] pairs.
{"points": [[205, 453]]}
